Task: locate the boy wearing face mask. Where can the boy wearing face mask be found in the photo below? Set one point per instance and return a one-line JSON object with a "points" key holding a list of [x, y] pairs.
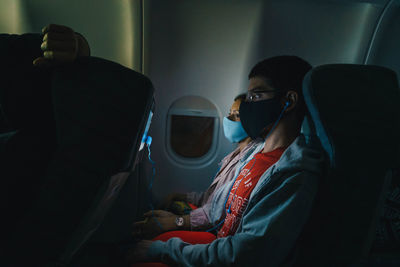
{"points": [[267, 204], [159, 221]]}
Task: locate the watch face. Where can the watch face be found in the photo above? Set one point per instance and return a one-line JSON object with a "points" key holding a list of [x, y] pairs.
{"points": [[179, 221]]}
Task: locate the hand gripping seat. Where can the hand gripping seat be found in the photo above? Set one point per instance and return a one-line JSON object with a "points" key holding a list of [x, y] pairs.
{"points": [[100, 109], [354, 111]]}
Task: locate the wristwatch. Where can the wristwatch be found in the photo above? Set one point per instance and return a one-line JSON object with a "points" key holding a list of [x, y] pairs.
{"points": [[179, 221]]}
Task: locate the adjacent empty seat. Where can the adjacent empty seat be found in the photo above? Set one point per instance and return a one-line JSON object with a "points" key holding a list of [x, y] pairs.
{"points": [[354, 109]]}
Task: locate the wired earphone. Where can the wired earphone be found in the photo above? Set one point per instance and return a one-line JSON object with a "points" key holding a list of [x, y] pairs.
{"points": [[228, 210]]}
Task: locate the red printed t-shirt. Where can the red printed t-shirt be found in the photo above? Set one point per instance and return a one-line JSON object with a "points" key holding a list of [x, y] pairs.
{"points": [[242, 188]]}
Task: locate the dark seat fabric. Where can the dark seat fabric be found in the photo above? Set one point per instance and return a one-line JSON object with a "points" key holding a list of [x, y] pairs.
{"points": [[354, 110], [388, 230], [26, 112], [24, 157], [4, 125], [25, 97], [100, 109]]}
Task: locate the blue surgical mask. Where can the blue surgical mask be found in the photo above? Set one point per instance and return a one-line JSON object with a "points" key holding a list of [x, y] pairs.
{"points": [[233, 130]]}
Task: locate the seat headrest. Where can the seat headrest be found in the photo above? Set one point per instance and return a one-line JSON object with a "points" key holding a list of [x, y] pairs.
{"points": [[96, 100], [354, 111], [354, 105]]}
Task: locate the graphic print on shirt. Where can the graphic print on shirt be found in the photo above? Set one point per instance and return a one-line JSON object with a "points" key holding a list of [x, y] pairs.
{"points": [[245, 183]]}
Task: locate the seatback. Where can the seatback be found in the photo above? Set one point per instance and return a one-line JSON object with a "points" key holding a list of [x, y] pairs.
{"points": [[4, 125], [123, 101], [26, 111], [25, 97], [354, 110], [100, 109]]}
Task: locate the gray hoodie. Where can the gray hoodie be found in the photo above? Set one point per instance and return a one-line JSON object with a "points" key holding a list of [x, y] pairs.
{"points": [[278, 208]]}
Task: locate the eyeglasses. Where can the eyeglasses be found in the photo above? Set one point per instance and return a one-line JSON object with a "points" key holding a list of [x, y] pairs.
{"points": [[259, 94]]}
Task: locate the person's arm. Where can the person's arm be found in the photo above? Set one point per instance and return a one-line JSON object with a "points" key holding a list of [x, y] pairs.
{"points": [[210, 214], [195, 198], [159, 221], [199, 218], [267, 233]]}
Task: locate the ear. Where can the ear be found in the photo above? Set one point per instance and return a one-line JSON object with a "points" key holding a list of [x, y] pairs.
{"points": [[292, 98]]}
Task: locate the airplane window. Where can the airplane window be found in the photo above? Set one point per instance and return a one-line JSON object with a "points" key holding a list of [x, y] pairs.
{"points": [[192, 130], [191, 136]]}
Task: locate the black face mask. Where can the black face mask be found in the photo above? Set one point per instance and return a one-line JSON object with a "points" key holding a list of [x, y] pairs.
{"points": [[256, 116]]}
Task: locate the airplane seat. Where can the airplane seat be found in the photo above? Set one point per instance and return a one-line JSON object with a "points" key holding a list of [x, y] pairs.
{"points": [[354, 112], [386, 246], [27, 138], [100, 111], [307, 127], [4, 125]]}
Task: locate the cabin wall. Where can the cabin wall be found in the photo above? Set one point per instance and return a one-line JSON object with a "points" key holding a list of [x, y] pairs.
{"points": [[13, 17], [107, 25], [385, 47]]}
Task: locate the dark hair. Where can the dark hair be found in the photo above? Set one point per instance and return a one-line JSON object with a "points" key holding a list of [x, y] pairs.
{"points": [[241, 97], [283, 73]]}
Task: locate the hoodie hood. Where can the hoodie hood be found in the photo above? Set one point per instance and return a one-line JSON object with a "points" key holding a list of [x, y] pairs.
{"points": [[305, 153]]}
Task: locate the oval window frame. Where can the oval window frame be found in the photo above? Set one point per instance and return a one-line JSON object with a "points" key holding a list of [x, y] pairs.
{"points": [[197, 106]]}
